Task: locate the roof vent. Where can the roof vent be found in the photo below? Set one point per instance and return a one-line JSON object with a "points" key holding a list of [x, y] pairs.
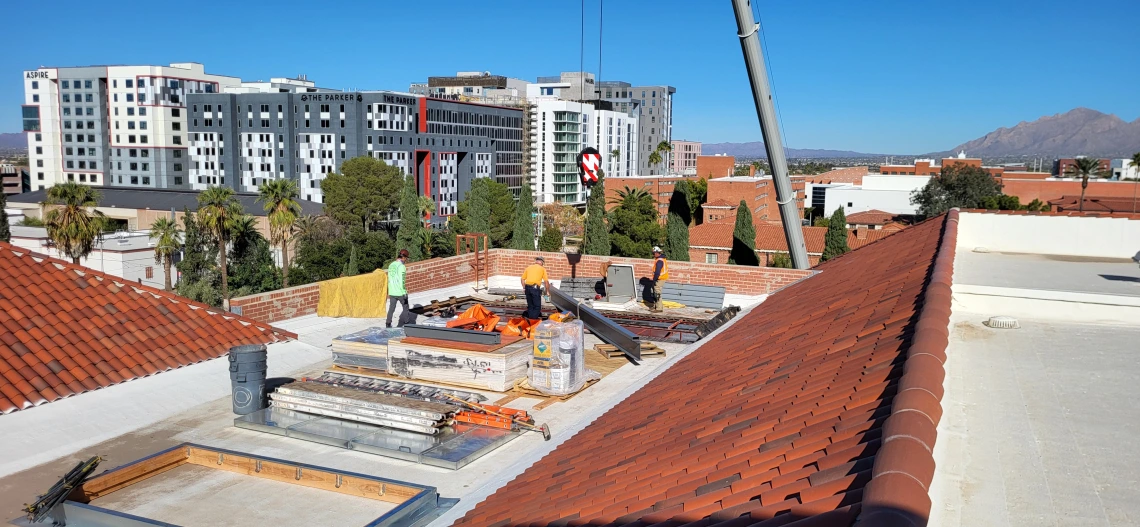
{"points": [[1002, 322]]}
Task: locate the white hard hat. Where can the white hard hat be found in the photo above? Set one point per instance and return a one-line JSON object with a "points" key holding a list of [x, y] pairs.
{"points": [[656, 249]]}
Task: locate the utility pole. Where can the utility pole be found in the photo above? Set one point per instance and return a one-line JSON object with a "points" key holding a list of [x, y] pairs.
{"points": [[773, 144]]}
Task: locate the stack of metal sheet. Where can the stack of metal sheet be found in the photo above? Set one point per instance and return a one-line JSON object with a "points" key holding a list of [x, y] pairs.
{"points": [[364, 406], [412, 390]]}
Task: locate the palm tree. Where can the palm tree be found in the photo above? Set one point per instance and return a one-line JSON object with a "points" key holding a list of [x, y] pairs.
{"points": [[1084, 168], [169, 243], [615, 154], [663, 148], [426, 206], [219, 212], [69, 224], [630, 194], [1136, 180], [654, 158], [280, 198]]}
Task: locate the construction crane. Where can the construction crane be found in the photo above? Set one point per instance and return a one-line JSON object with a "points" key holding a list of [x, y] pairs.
{"points": [[770, 128]]}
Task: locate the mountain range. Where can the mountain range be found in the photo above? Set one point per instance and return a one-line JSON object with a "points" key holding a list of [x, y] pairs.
{"points": [[1080, 131], [13, 141]]}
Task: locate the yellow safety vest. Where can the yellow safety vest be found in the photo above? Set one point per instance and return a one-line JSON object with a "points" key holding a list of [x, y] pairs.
{"points": [[664, 268]]}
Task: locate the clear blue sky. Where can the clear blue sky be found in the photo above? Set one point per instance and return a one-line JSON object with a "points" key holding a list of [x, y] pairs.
{"points": [[884, 76]]}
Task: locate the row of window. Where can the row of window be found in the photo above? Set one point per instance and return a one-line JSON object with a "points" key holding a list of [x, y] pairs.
{"points": [[65, 84], [82, 165], [78, 111], [83, 178], [79, 97]]}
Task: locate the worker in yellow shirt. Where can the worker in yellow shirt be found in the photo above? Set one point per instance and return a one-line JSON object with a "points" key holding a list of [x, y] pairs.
{"points": [[660, 275], [533, 277]]}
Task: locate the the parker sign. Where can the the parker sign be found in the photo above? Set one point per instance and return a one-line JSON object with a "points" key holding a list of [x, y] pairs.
{"points": [[347, 97], [396, 99]]}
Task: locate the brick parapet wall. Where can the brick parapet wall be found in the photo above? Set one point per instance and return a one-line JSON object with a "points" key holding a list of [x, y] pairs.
{"points": [[439, 273], [282, 304]]}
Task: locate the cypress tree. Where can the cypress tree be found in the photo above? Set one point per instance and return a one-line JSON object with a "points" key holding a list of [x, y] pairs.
{"points": [[597, 238], [351, 267], [743, 238], [677, 224], [523, 236], [479, 208], [5, 230], [836, 240], [410, 233]]}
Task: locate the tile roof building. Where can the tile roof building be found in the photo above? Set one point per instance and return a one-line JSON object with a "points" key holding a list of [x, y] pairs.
{"points": [[68, 330], [823, 411], [712, 242], [1096, 204]]}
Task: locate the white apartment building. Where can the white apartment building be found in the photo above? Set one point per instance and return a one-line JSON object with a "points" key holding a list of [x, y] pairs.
{"points": [[888, 193], [1123, 169], [120, 126], [561, 129]]}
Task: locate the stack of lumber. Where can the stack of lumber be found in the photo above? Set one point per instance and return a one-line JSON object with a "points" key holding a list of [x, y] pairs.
{"points": [[364, 349], [609, 351], [495, 368], [364, 406]]}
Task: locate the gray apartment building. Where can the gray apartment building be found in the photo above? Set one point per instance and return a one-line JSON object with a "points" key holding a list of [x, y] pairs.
{"points": [[242, 140]]}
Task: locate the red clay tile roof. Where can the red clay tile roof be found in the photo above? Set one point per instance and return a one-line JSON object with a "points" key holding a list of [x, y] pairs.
{"points": [[770, 237], [1097, 204], [67, 329], [870, 217], [824, 410], [721, 203]]}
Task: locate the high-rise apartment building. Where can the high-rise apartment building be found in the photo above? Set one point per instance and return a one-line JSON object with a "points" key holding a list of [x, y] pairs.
{"points": [[243, 140], [473, 86], [656, 125], [562, 128], [122, 126], [685, 154]]}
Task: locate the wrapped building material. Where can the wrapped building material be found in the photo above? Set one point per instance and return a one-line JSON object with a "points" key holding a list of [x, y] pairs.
{"points": [[558, 366]]}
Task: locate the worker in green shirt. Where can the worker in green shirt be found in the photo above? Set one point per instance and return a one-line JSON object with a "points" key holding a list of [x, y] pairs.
{"points": [[397, 293]]}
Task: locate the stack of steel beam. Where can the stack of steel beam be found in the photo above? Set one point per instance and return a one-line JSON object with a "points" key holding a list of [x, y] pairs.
{"points": [[364, 406]]}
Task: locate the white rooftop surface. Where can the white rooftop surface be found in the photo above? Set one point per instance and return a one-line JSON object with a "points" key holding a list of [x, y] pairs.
{"points": [[141, 417], [1039, 423]]}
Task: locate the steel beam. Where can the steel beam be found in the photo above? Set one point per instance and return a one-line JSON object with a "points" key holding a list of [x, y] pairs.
{"points": [[607, 330], [453, 334]]}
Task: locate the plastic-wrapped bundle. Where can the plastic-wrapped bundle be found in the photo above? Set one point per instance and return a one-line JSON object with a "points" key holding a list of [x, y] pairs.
{"points": [[559, 365]]}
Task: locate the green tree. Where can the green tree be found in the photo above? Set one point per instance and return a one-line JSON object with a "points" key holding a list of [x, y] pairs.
{"points": [[411, 222], [199, 276], [251, 266], [677, 223], [551, 239], [635, 227], [219, 212], [70, 225], [959, 185], [821, 221], [626, 194], [165, 230], [280, 198], [698, 195], [488, 208], [365, 191], [740, 171], [1037, 206], [351, 268], [1084, 168], [522, 237], [835, 242], [780, 260], [596, 236], [1002, 202], [743, 250], [28, 221], [5, 230], [1136, 164]]}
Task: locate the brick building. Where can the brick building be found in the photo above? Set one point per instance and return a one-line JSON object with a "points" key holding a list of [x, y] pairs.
{"points": [[1029, 186], [685, 154], [759, 192], [1066, 164], [712, 167], [660, 187], [712, 242]]}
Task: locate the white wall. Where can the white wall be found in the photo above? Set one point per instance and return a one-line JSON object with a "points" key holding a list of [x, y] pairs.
{"points": [[1060, 235], [886, 193]]}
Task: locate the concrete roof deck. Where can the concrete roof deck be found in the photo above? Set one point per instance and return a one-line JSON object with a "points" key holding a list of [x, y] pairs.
{"points": [[1110, 276], [211, 424]]}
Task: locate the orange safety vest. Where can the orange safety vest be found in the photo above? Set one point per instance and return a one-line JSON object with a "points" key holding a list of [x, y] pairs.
{"points": [[664, 268]]}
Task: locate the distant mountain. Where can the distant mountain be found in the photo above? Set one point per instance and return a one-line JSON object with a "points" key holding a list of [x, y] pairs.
{"points": [[1077, 132], [13, 141], [755, 150]]}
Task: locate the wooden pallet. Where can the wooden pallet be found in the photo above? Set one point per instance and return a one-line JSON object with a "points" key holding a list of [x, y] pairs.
{"points": [[603, 365], [610, 351]]}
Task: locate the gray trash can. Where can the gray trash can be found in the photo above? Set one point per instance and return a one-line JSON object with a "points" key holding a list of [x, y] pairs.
{"points": [[247, 378]]}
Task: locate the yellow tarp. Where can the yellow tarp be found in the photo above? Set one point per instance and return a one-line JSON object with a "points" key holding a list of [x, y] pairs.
{"points": [[362, 296]]}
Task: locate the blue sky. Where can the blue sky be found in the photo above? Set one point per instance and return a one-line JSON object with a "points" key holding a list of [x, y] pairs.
{"points": [[882, 76]]}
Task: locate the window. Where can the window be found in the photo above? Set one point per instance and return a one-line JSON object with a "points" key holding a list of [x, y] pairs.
{"points": [[87, 84], [130, 97], [35, 85], [177, 180], [94, 178], [134, 180], [142, 111], [39, 150], [142, 139], [149, 272], [35, 97], [142, 125], [177, 154], [70, 164], [131, 139], [175, 113], [66, 98], [40, 176], [87, 98], [66, 85], [134, 166], [90, 125], [178, 167], [146, 180], [176, 126]]}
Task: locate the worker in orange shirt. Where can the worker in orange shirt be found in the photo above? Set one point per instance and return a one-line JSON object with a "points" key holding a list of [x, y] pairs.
{"points": [[533, 277], [660, 275]]}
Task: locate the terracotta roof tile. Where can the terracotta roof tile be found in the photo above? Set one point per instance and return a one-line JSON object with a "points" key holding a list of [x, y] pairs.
{"points": [[803, 413], [870, 217], [68, 329]]}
